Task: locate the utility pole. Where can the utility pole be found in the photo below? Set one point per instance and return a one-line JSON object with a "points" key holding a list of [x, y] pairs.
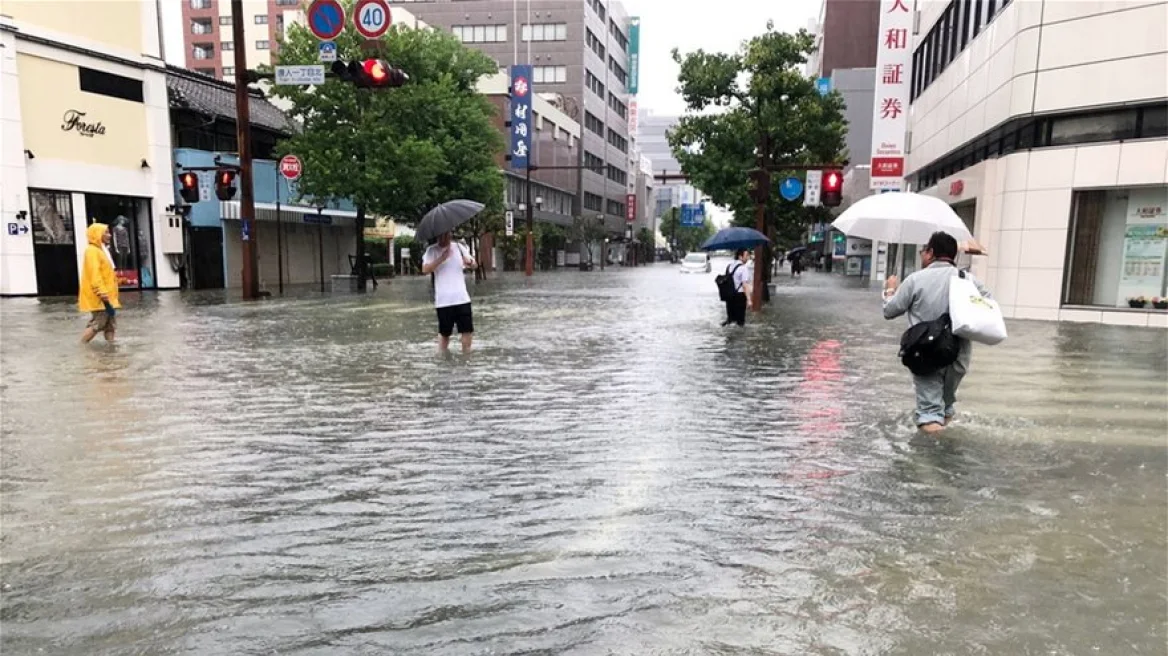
{"points": [[251, 282], [761, 196], [529, 257]]}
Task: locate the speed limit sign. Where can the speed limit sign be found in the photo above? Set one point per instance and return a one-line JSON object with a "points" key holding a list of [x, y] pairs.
{"points": [[371, 18]]}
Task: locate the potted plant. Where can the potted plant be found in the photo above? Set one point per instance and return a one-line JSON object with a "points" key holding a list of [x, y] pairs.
{"points": [[1136, 301], [1160, 303]]}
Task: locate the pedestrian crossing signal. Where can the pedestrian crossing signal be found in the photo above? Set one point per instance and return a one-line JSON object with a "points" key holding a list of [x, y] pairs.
{"points": [[832, 192], [225, 184], [188, 183]]}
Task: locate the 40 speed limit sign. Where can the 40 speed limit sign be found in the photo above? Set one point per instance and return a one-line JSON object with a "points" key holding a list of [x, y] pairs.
{"points": [[372, 18]]}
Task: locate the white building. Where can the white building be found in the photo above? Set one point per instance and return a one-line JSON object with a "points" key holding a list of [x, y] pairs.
{"points": [[85, 138], [1045, 124]]}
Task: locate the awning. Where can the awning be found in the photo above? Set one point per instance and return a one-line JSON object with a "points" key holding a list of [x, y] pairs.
{"points": [[229, 209]]}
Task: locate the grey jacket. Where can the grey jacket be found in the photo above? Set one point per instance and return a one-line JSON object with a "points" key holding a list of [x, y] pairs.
{"points": [[924, 296]]}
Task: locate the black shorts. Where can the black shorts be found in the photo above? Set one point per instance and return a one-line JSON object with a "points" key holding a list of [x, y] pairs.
{"points": [[455, 315]]}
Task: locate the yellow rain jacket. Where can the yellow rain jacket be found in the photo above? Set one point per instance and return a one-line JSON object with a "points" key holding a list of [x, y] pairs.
{"points": [[97, 274]]}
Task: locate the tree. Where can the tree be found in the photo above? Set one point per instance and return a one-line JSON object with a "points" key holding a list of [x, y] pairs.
{"points": [[736, 99], [688, 238], [395, 152]]}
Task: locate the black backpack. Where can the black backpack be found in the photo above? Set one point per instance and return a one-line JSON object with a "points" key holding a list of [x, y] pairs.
{"points": [[725, 283], [929, 346]]}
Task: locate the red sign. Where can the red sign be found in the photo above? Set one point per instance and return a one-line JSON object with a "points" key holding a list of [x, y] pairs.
{"points": [[956, 187], [631, 208], [326, 19], [887, 167], [290, 167], [371, 18]]}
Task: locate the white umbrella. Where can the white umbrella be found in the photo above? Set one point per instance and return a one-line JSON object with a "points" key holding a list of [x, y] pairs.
{"points": [[901, 218]]}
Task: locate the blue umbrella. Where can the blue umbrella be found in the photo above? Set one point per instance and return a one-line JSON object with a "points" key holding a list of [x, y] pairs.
{"points": [[732, 239]]}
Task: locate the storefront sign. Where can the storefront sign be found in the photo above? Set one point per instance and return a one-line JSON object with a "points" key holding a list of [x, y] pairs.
{"points": [[520, 115], [634, 54], [630, 208], [890, 110], [73, 121], [956, 188]]}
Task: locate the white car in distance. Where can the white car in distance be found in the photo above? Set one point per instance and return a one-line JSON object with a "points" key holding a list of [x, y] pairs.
{"points": [[696, 263]]}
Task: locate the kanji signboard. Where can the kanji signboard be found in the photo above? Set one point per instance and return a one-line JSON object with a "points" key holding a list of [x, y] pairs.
{"points": [[630, 208], [520, 115], [890, 109]]}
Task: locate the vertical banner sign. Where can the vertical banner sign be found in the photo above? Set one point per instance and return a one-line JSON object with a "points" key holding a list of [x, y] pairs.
{"points": [[813, 183], [520, 115], [890, 109], [634, 54], [630, 208], [510, 226]]}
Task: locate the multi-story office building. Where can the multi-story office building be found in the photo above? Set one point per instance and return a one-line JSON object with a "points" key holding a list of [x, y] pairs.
{"points": [[1045, 125], [207, 33], [579, 49], [654, 145], [845, 36]]}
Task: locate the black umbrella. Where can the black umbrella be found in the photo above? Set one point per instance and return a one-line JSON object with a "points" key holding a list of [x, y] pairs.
{"points": [[446, 217], [798, 250]]}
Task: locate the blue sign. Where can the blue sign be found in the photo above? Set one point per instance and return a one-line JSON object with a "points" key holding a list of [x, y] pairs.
{"points": [[319, 219], [328, 51], [520, 115], [824, 85], [13, 229], [693, 215], [245, 230], [791, 188], [326, 19]]}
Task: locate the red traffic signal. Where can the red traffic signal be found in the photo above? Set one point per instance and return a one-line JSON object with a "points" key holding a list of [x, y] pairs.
{"points": [[188, 183], [225, 184], [832, 191], [370, 74]]}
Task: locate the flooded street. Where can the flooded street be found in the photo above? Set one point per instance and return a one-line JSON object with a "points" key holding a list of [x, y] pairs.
{"points": [[610, 472]]}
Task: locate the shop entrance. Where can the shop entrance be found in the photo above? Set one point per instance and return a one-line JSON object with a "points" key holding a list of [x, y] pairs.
{"points": [[132, 240], [54, 242]]}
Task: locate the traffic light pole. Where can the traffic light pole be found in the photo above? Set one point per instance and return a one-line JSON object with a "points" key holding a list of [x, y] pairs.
{"points": [[251, 287]]}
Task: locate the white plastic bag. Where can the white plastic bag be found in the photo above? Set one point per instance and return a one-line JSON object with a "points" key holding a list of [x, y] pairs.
{"points": [[974, 316]]}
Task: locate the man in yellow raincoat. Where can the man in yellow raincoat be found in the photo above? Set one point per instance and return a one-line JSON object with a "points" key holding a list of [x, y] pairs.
{"points": [[99, 286]]}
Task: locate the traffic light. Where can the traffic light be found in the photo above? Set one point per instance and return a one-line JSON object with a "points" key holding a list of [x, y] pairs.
{"points": [[832, 192], [370, 74], [188, 183], [225, 184]]}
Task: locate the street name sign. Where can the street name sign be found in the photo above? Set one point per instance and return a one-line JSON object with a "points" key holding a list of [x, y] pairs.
{"points": [[814, 184], [300, 76]]}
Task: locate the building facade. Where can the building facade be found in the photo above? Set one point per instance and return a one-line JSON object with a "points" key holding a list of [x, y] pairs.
{"points": [[653, 142], [208, 40], [83, 104], [845, 36], [580, 51], [1045, 126]]}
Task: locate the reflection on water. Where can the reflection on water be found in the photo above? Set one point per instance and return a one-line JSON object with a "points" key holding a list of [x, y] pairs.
{"points": [[609, 472]]}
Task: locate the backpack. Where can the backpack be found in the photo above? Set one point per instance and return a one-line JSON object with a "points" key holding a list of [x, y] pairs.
{"points": [[929, 346], [725, 283]]}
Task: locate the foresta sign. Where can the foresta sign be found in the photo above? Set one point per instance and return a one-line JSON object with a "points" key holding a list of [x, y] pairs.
{"points": [[73, 121]]}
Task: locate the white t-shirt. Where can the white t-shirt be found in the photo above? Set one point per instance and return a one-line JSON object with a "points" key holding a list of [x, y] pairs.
{"points": [[742, 275], [449, 279]]}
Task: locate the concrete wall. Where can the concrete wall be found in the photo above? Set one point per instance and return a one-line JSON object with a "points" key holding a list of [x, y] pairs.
{"points": [[858, 87]]}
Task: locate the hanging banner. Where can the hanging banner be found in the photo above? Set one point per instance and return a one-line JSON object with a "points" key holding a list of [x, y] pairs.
{"points": [[520, 115], [890, 109], [634, 54], [630, 208]]}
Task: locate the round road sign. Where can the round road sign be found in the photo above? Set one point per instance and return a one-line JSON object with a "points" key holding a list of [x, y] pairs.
{"points": [[371, 18], [326, 19], [290, 167]]}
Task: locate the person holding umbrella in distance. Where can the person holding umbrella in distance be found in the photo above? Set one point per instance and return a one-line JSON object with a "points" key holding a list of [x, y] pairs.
{"points": [[447, 261], [735, 287]]}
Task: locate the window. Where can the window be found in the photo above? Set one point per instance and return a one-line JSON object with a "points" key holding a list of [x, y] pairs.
{"points": [[550, 74], [228, 72], [287, 3], [616, 207], [261, 19], [202, 52], [1112, 126], [593, 83], [201, 26], [200, 4], [227, 45], [480, 33], [598, 7], [52, 217], [108, 84], [593, 163], [596, 44], [617, 106], [1116, 248], [593, 202], [262, 45], [224, 20], [1154, 121], [618, 71], [960, 23], [620, 142], [619, 36], [545, 32], [593, 124], [617, 174]]}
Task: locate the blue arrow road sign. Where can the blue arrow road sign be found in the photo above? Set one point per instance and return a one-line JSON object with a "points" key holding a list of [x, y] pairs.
{"points": [[791, 188]]}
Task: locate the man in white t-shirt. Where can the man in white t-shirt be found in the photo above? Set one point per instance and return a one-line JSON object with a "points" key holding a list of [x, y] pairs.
{"points": [[447, 260], [742, 272]]}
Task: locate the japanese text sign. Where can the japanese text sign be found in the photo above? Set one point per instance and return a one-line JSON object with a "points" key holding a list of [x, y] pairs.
{"points": [[520, 115], [890, 109]]}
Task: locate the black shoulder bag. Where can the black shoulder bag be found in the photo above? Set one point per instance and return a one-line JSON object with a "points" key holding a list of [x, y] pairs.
{"points": [[725, 283], [929, 346]]}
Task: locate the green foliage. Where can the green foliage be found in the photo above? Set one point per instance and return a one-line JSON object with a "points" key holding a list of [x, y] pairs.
{"points": [[733, 99], [688, 238], [416, 249], [395, 152]]}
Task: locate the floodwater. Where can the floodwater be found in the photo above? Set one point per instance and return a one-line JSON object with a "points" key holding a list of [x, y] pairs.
{"points": [[610, 472]]}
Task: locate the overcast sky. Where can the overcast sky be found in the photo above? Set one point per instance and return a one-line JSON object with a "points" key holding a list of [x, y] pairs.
{"points": [[715, 25]]}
